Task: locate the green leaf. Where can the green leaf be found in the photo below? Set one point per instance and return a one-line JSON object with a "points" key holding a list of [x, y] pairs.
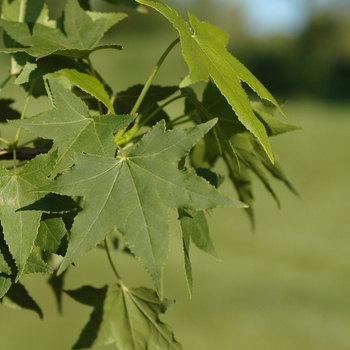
{"points": [[85, 82], [35, 264], [19, 298], [242, 180], [194, 227], [204, 50], [82, 30], [72, 128], [20, 227], [266, 112], [50, 234], [133, 194], [244, 146], [5, 284], [128, 318], [31, 76]]}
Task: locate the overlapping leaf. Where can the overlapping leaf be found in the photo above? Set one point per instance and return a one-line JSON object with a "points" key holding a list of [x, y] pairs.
{"points": [[79, 36], [20, 227], [133, 194], [72, 128], [194, 228], [204, 50], [128, 318]]}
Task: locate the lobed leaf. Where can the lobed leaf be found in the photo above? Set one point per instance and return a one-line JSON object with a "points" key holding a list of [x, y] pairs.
{"points": [[128, 318], [133, 194], [20, 227], [204, 50], [72, 128], [81, 31]]}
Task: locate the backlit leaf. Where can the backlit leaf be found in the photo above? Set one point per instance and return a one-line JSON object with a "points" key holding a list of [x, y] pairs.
{"points": [[204, 50]]}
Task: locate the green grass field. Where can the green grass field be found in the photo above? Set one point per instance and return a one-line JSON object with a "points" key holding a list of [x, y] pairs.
{"points": [[286, 286]]}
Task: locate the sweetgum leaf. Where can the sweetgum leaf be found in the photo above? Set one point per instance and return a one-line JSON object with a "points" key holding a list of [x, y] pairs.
{"points": [[134, 193], [266, 112], [128, 318], [72, 128], [31, 76], [194, 227], [244, 146], [85, 82], [5, 284], [20, 227], [50, 234], [82, 30], [35, 264], [204, 50]]}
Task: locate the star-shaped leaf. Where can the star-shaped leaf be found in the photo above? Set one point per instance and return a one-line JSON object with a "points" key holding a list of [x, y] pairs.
{"points": [[204, 50], [128, 318], [81, 32], [21, 227], [134, 193], [72, 128]]}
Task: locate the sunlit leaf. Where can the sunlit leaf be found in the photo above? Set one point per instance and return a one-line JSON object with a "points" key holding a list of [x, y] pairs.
{"points": [[204, 50]]}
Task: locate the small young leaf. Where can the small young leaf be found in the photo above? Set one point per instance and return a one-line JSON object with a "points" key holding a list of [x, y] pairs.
{"points": [[72, 128], [128, 318]]}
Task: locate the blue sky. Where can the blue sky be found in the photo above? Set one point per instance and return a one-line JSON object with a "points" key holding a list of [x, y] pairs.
{"points": [[266, 17]]}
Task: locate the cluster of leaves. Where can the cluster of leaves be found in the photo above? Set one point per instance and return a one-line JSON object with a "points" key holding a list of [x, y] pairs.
{"points": [[105, 161]]}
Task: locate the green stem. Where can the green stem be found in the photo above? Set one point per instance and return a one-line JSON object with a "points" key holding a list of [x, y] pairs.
{"points": [[5, 141], [111, 261], [146, 87]]}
